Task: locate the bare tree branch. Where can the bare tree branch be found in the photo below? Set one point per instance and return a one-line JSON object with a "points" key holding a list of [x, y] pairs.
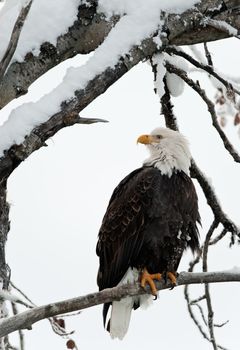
{"points": [[208, 55], [227, 144], [207, 68], [214, 203], [14, 39], [26, 319], [229, 226]]}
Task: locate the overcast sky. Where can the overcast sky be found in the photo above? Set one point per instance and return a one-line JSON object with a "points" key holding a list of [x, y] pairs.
{"points": [[59, 195]]}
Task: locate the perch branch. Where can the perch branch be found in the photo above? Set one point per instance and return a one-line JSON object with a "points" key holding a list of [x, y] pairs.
{"points": [[26, 319]]}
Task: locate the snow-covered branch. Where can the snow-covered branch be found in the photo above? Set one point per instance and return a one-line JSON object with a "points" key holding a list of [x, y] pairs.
{"points": [[83, 36], [26, 319], [68, 114], [91, 27]]}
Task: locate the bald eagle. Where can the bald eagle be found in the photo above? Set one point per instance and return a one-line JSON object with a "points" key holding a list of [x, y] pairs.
{"points": [[150, 220]]}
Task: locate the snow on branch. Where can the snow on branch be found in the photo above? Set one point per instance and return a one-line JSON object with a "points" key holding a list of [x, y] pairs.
{"points": [[26, 319], [84, 35], [69, 97], [223, 26]]}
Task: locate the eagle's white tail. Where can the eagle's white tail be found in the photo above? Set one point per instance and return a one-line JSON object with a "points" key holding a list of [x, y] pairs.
{"points": [[121, 310], [120, 317]]}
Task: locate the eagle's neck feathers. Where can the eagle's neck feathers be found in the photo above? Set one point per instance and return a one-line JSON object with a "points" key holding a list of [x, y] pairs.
{"points": [[170, 158]]}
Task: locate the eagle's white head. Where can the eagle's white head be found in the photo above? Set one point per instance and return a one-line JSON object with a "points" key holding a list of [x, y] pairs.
{"points": [[169, 151]]}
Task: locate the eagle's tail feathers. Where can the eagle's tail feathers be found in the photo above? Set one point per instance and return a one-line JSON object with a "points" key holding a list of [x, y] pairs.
{"points": [[120, 317]]}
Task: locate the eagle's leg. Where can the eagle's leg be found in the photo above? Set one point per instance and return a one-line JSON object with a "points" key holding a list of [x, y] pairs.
{"points": [[147, 278]]}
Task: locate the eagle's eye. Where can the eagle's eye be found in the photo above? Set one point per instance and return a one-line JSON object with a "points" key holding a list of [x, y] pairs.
{"points": [[159, 137]]}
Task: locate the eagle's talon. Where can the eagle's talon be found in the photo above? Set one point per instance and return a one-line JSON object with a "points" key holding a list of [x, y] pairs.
{"points": [[172, 276], [148, 278]]}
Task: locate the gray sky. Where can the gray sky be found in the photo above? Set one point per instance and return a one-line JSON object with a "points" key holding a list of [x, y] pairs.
{"points": [[59, 195]]}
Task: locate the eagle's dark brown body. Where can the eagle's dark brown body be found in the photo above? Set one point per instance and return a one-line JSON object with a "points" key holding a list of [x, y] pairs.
{"points": [[150, 220]]}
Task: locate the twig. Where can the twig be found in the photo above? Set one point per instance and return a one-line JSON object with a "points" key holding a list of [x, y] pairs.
{"points": [[208, 55], [221, 324], [192, 315], [195, 301], [201, 313], [22, 293], [207, 291], [14, 39], [213, 202], [195, 86], [57, 324]]}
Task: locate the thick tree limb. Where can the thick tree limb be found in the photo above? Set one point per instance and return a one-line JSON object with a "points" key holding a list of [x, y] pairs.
{"points": [[26, 319]]}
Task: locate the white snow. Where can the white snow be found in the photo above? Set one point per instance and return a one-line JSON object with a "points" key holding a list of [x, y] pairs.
{"points": [[140, 21], [45, 22], [121, 7], [174, 83], [222, 25], [159, 60]]}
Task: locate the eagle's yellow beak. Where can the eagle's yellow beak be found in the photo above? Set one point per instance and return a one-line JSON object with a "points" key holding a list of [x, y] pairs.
{"points": [[146, 139]]}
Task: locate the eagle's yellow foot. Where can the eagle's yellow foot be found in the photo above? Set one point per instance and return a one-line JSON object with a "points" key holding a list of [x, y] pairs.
{"points": [[148, 278], [172, 277]]}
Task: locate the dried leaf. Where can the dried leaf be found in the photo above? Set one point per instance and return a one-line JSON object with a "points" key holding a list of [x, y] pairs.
{"points": [[71, 344], [223, 122], [237, 119]]}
